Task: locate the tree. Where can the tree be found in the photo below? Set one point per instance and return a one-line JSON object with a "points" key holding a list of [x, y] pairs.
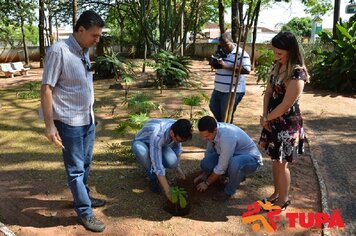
{"points": [[254, 34], [41, 31], [299, 26], [221, 16], [317, 7], [19, 13]]}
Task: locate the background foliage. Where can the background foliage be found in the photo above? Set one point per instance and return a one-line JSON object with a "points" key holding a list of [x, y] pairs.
{"points": [[336, 68]]}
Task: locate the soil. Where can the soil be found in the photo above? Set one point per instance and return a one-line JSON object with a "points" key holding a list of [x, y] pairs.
{"points": [[37, 201]]}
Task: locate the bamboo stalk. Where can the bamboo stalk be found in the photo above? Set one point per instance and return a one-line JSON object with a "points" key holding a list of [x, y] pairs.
{"points": [[232, 94]]}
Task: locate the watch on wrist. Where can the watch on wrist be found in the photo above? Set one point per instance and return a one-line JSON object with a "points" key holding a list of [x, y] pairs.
{"points": [[207, 183]]}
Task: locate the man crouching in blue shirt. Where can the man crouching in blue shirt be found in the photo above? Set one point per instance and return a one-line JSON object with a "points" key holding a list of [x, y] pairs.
{"points": [[158, 146], [230, 152]]}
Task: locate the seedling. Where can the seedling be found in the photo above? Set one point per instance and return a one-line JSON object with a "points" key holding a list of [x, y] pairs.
{"points": [[178, 195]]}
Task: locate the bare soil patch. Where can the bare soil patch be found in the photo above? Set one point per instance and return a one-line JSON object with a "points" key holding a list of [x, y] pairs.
{"points": [[35, 200]]}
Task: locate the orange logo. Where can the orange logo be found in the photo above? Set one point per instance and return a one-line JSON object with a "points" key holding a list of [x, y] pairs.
{"points": [[272, 216]]}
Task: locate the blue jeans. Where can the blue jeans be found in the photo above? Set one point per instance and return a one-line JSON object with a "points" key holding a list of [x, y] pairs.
{"points": [[218, 103], [77, 155], [239, 167], [141, 151]]}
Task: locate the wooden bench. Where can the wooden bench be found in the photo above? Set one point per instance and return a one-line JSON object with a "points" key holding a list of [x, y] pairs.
{"points": [[18, 66], [7, 69]]}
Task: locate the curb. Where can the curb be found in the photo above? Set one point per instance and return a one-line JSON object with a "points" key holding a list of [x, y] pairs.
{"points": [[315, 152], [5, 230]]}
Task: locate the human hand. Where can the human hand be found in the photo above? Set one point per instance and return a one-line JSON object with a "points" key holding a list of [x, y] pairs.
{"points": [[168, 195], [221, 62], [52, 135], [200, 178], [202, 186], [265, 124], [181, 173]]}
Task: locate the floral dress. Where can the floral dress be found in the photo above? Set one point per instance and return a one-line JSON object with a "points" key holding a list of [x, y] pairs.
{"points": [[285, 141]]}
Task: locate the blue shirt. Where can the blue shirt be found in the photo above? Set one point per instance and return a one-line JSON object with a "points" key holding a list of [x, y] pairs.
{"points": [[229, 141], [223, 76], [73, 91], [155, 133]]}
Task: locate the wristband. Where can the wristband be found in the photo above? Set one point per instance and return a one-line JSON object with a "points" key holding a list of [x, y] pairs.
{"points": [[207, 183]]}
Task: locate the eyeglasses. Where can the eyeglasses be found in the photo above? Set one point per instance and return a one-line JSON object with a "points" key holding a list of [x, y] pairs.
{"points": [[86, 64]]}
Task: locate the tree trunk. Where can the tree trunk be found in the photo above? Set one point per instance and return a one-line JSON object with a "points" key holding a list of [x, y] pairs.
{"points": [[221, 16], [74, 16], [336, 16], [171, 20], [41, 32], [182, 34], [143, 10], [234, 20], [196, 25], [50, 28], [241, 21], [144, 57], [160, 16], [254, 36], [57, 24], [27, 60]]}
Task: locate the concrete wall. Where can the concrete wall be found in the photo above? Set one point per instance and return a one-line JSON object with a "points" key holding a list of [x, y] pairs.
{"points": [[18, 54], [202, 50], [205, 50]]}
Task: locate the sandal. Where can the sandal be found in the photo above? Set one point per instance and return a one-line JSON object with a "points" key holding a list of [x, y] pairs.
{"points": [[285, 205], [265, 200]]}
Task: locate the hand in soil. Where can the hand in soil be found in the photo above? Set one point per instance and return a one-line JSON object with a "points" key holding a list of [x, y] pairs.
{"points": [[200, 178], [202, 187], [181, 173]]}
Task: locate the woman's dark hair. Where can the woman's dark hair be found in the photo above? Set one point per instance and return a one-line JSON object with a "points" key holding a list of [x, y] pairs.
{"points": [[89, 19], [182, 128], [207, 123], [287, 41]]}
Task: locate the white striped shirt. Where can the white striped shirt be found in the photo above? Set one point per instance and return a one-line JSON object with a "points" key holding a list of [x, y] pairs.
{"points": [[155, 133], [223, 76], [72, 82]]}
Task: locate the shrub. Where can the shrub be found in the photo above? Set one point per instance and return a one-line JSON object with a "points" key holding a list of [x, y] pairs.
{"points": [[264, 65], [336, 69], [33, 92], [171, 70], [140, 103], [135, 122]]}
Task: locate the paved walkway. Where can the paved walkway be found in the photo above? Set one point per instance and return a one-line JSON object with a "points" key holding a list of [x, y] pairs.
{"points": [[33, 75], [331, 119]]}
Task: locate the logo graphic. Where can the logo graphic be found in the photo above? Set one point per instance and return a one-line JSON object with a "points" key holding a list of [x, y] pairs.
{"points": [[305, 220], [272, 215]]}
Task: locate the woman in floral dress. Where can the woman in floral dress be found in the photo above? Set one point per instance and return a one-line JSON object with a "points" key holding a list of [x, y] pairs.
{"points": [[282, 134]]}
